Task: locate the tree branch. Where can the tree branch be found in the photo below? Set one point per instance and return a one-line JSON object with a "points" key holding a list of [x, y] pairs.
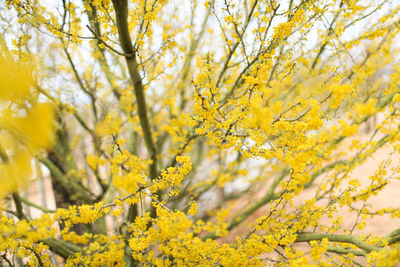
{"points": [[307, 237], [121, 13]]}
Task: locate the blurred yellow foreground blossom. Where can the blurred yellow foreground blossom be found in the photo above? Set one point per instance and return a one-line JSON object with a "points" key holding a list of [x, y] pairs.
{"points": [[26, 125]]}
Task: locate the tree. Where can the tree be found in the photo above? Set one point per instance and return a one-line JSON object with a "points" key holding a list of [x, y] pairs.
{"points": [[143, 111]]}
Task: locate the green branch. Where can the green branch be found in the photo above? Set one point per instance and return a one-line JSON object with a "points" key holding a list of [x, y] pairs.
{"points": [[340, 250], [18, 206], [61, 248], [66, 181], [121, 13], [307, 237], [29, 203]]}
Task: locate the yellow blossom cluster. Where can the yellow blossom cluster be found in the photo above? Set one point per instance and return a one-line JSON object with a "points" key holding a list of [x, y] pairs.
{"points": [[199, 133], [26, 125]]}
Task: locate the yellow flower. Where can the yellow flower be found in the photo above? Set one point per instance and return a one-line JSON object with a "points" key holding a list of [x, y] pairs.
{"points": [[26, 126]]}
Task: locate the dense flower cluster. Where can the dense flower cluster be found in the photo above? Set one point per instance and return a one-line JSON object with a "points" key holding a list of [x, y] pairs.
{"points": [[198, 133]]}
